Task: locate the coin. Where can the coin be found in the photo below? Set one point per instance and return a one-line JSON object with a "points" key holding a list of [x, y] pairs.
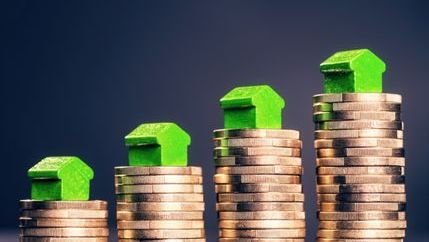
{"points": [[356, 97], [256, 133], [360, 179], [367, 215], [260, 197], [190, 197], [159, 215], [286, 215], [64, 213], [162, 240], [359, 124], [261, 224], [256, 151], [361, 161], [157, 170], [264, 187], [263, 233], [361, 188], [62, 239], [161, 224], [38, 204], [256, 142], [370, 197], [160, 206], [65, 232], [361, 170], [358, 240], [159, 188], [359, 142], [360, 207], [359, 133], [368, 224], [257, 161], [260, 240], [357, 106], [62, 223], [360, 152], [356, 115], [364, 234], [161, 234], [260, 206], [158, 179], [287, 179], [246, 170]]}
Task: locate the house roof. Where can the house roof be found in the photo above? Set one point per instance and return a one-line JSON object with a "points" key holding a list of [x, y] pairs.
{"points": [[251, 96], [158, 133], [352, 60], [60, 167]]}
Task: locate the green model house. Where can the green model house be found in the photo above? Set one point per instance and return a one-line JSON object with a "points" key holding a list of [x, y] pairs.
{"points": [[158, 144], [353, 71], [60, 178], [252, 107]]}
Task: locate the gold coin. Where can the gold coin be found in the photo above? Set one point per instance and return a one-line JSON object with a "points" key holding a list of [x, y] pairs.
{"points": [[256, 151], [62, 222], [356, 97], [361, 161], [359, 197], [264, 187], [369, 224], [257, 142], [161, 234], [281, 179], [262, 233], [268, 170], [256, 133], [360, 152], [357, 106], [160, 206], [38, 204], [65, 232], [158, 179], [359, 133], [357, 216], [360, 179], [159, 188], [359, 142], [62, 239], [361, 188], [356, 115], [257, 161], [157, 170], [65, 213], [362, 170], [159, 215], [359, 124], [260, 206], [362, 234], [156, 197], [286, 215], [361, 207], [161, 224], [260, 197], [259, 240], [261, 224]]}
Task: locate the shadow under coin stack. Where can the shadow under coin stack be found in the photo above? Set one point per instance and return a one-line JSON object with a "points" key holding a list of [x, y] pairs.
{"points": [[258, 182], [159, 203], [63, 221], [360, 167], [59, 210]]}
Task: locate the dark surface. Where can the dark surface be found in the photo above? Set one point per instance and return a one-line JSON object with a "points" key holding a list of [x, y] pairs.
{"points": [[77, 76]]}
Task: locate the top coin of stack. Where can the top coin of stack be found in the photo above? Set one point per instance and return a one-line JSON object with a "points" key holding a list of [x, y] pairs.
{"points": [[360, 159], [158, 196]]}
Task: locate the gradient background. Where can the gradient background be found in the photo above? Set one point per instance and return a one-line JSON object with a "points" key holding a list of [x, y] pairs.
{"points": [[77, 76]]}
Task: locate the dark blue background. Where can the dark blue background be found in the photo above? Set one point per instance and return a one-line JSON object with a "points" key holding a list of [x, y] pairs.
{"points": [[77, 76]]}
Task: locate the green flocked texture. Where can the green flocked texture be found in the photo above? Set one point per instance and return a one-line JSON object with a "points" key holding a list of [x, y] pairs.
{"points": [[60, 178], [353, 71], [252, 107], [158, 144]]}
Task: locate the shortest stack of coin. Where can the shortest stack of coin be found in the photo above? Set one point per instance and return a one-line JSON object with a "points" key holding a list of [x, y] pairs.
{"points": [[159, 203], [258, 185], [63, 221], [360, 167]]}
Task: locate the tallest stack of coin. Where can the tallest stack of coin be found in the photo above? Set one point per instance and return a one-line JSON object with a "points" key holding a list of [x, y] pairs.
{"points": [[258, 185], [360, 167]]}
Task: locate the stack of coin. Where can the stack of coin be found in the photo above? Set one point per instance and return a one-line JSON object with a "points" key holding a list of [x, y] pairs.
{"points": [[258, 185], [360, 167], [159, 203], [63, 221]]}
